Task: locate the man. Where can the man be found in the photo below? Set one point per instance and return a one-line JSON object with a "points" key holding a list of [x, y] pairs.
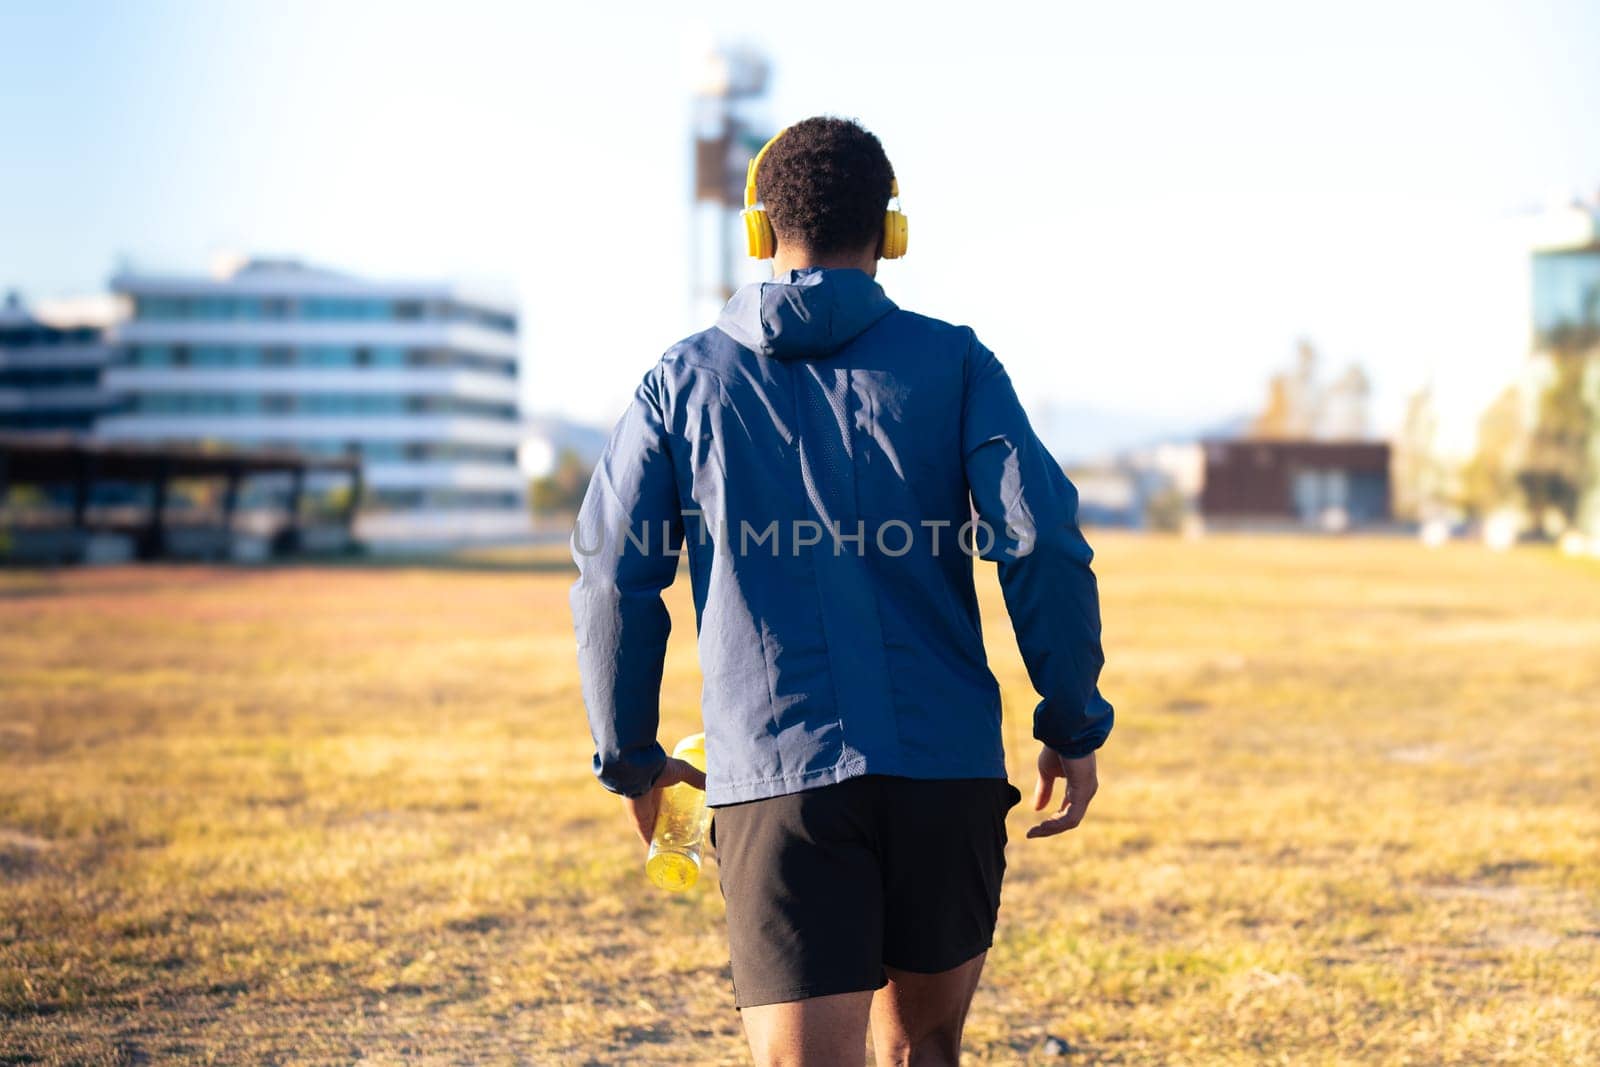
{"points": [[819, 455]]}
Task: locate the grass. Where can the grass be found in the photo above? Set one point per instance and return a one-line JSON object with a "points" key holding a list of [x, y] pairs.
{"points": [[1350, 814]]}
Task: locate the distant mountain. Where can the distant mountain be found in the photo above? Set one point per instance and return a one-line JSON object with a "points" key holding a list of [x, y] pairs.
{"points": [[1080, 434], [561, 435]]}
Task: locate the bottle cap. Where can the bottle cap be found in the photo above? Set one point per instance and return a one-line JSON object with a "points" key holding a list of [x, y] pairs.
{"points": [[692, 749]]}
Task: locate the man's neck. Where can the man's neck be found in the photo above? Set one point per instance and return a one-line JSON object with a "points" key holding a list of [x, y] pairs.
{"points": [[785, 260]]}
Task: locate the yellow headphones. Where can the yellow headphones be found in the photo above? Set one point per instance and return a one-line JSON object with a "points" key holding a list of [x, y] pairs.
{"points": [[761, 241]]}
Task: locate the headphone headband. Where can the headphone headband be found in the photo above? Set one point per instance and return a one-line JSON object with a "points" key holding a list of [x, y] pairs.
{"points": [[750, 199]]}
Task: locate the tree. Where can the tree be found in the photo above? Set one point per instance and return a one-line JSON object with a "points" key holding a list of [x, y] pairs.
{"points": [[1559, 465], [1300, 406], [561, 491], [1490, 479], [1291, 398]]}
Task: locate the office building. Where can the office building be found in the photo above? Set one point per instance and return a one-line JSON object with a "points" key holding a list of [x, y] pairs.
{"points": [[419, 381], [1565, 295], [1566, 272], [51, 362]]}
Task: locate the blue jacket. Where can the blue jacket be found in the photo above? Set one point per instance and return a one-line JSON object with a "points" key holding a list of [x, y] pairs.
{"points": [[814, 456]]}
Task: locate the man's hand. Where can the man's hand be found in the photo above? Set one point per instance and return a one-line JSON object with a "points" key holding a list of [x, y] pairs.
{"points": [[643, 809], [1082, 783]]}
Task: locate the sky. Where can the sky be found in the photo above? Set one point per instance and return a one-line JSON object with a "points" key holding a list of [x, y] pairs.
{"points": [[1140, 207]]}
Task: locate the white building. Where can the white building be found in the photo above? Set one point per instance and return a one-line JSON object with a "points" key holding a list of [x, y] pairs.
{"points": [[419, 380]]}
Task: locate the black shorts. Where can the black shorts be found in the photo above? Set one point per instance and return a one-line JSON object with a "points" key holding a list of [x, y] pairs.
{"points": [[827, 887]]}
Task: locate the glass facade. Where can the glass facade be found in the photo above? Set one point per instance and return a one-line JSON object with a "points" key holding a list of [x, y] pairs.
{"points": [[426, 499], [326, 309], [49, 377], [258, 403], [44, 418], [1566, 290], [336, 357], [387, 451], [36, 334], [317, 309]]}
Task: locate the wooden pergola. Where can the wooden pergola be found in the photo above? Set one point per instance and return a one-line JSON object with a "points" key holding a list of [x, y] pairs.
{"points": [[79, 462]]}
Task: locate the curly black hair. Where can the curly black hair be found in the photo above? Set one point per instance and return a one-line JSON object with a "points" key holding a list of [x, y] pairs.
{"points": [[825, 186]]}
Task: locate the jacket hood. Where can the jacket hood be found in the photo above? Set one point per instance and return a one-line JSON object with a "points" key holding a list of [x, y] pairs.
{"points": [[805, 314]]}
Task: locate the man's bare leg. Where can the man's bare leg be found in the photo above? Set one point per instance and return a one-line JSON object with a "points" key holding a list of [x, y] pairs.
{"points": [[819, 1032], [917, 1018]]}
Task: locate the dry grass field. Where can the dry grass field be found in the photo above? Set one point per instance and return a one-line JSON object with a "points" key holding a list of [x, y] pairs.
{"points": [[1350, 814]]}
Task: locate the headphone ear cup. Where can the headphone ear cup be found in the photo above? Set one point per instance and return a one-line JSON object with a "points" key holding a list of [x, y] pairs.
{"points": [[759, 240], [896, 233]]}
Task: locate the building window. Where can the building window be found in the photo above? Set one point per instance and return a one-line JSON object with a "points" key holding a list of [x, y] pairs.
{"points": [[160, 308], [327, 356], [331, 309], [208, 356], [214, 307]]}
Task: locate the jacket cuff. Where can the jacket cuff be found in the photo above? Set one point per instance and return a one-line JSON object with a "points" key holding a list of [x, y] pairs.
{"points": [[633, 774], [1095, 727]]}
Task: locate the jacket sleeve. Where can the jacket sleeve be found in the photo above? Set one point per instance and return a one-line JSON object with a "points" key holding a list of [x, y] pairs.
{"points": [[626, 543], [1029, 512]]}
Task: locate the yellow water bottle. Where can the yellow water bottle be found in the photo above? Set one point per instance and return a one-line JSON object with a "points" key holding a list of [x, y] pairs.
{"points": [[674, 860]]}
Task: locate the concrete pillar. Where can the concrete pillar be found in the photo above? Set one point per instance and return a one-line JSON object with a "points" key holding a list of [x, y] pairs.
{"points": [[353, 505], [82, 480], [289, 537], [154, 542]]}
